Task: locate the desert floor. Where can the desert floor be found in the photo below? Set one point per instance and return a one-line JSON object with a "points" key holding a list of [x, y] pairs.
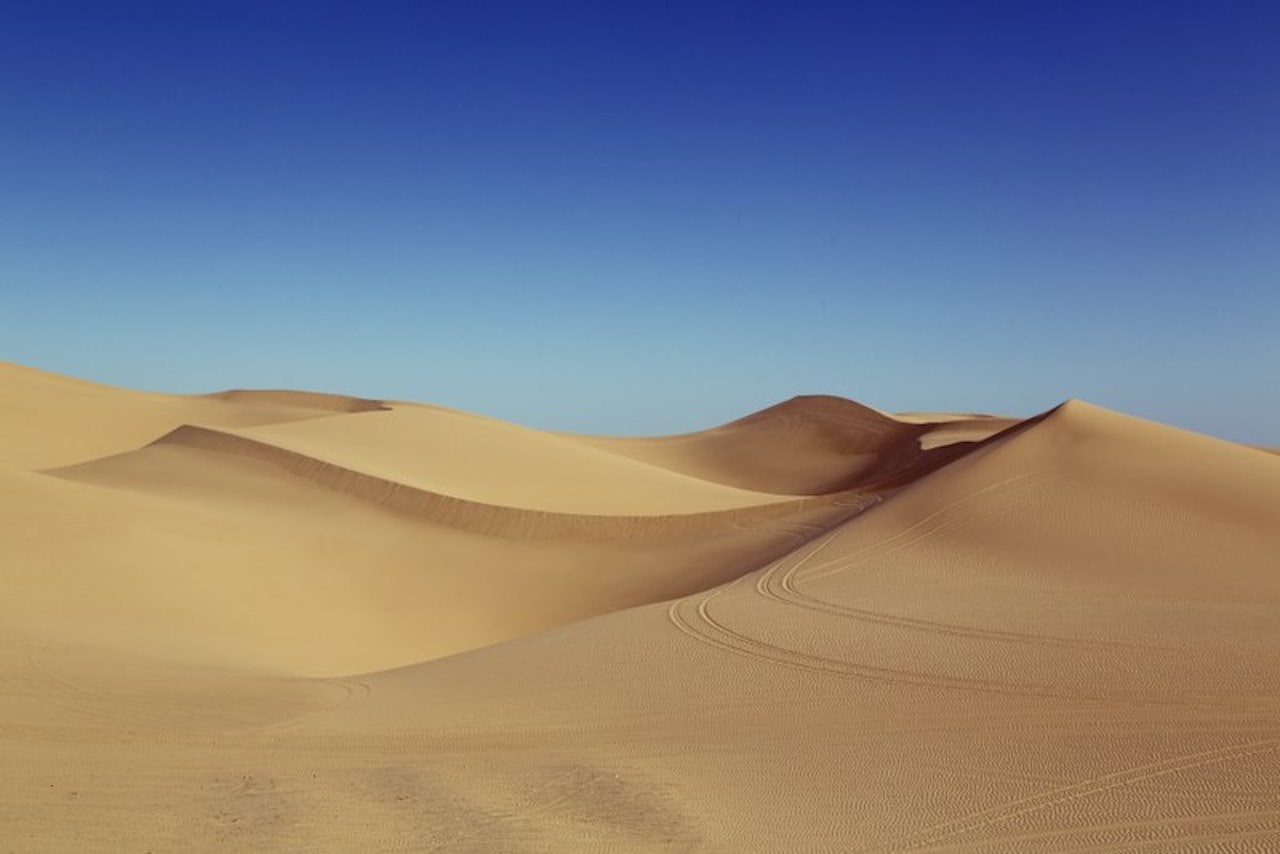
{"points": [[260, 620]]}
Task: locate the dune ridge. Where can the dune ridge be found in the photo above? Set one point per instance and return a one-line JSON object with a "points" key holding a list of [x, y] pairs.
{"points": [[464, 455], [491, 519]]}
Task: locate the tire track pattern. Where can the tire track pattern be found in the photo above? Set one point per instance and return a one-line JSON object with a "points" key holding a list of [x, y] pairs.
{"points": [[1089, 787], [780, 585], [777, 584]]}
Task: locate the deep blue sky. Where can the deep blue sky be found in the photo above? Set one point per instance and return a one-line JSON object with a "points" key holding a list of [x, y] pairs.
{"points": [[652, 217]]}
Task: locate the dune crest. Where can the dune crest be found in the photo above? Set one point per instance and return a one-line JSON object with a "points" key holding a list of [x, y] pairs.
{"points": [[453, 511]]}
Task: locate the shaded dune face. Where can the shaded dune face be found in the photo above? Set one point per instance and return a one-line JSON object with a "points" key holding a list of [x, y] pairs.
{"points": [[293, 620]]}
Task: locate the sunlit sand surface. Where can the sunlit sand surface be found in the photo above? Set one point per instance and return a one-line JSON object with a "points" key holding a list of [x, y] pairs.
{"points": [[295, 621]]}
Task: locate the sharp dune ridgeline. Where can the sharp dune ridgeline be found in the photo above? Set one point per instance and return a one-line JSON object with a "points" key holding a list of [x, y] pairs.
{"points": [[284, 620]]}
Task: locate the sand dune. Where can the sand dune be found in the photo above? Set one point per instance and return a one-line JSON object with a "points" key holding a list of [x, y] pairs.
{"points": [[197, 536], [291, 621], [810, 446], [455, 454], [51, 420]]}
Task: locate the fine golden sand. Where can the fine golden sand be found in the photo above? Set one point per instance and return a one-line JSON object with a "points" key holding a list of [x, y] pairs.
{"points": [[262, 620]]}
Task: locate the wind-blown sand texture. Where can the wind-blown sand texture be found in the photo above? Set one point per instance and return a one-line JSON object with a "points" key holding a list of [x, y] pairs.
{"points": [[294, 621]]}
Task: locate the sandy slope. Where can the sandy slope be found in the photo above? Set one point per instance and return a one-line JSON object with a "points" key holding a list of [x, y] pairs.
{"points": [[1061, 637], [51, 420], [465, 456]]}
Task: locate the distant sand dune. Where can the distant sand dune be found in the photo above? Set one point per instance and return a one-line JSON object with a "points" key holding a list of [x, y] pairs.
{"points": [[50, 420], [292, 620], [299, 399], [806, 446]]}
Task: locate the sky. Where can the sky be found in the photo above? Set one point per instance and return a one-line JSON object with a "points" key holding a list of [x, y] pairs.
{"points": [[652, 217]]}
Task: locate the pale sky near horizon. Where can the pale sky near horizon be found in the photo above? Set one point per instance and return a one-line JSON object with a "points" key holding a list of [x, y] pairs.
{"points": [[652, 217]]}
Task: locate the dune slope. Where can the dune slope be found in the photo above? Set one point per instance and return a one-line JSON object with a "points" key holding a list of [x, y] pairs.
{"points": [[462, 455], [51, 420]]}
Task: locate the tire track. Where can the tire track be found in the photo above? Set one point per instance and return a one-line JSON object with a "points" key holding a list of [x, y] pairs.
{"points": [[1269, 818], [1085, 788], [780, 586], [703, 627], [944, 518], [779, 583]]}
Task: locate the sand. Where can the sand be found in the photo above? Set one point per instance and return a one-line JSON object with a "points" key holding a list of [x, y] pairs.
{"points": [[295, 621]]}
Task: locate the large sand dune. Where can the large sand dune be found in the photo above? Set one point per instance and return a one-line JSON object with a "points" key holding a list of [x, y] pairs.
{"points": [[285, 620]]}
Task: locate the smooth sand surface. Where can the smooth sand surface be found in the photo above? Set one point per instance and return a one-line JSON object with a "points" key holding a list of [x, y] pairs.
{"points": [[291, 621]]}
